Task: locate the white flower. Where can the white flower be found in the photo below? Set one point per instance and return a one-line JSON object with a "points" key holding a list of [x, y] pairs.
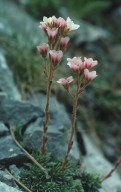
{"points": [[46, 20], [70, 25]]}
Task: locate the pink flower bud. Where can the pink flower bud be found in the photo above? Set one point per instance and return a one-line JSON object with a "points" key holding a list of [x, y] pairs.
{"points": [[64, 42], [55, 22], [43, 49], [65, 82], [55, 57], [63, 23], [52, 33], [89, 76], [76, 64], [89, 63]]}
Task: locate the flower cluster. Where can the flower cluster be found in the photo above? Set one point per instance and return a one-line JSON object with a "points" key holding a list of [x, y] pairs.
{"points": [[80, 67], [57, 30], [53, 25]]}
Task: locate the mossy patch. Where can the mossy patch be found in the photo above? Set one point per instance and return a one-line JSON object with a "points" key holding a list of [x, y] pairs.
{"points": [[72, 179]]}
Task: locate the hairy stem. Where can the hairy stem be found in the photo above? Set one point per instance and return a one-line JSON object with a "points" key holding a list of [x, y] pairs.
{"points": [[75, 106], [45, 123]]}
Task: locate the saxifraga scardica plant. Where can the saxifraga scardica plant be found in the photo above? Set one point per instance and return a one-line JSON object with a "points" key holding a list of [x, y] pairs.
{"points": [[62, 174], [57, 31]]}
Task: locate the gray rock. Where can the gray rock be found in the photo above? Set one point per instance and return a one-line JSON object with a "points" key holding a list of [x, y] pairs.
{"points": [[6, 188], [3, 130], [109, 152], [32, 139], [9, 152], [7, 179], [95, 161], [15, 171], [15, 22], [7, 85], [58, 114], [16, 113], [58, 128]]}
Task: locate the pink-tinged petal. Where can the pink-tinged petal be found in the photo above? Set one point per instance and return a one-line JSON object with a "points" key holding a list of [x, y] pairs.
{"points": [[55, 22], [65, 81], [76, 64], [52, 33], [43, 49], [89, 76], [61, 80], [89, 63], [63, 23], [55, 57], [64, 42], [70, 79]]}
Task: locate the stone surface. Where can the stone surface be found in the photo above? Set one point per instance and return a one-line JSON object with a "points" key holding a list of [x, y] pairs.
{"points": [[16, 113], [3, 130], [6, 188], [10, 153], [7, 85], [7, 179], [57, 110], [59, 131], [15, 22], [95, 161], [58, 127]]}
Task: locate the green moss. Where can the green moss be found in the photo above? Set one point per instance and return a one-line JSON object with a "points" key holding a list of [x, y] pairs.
{"points": [[69, 180], [90, 182]]}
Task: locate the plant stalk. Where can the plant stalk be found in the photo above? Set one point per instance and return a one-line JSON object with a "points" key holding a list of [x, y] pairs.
{"points": [[75, 107], [18, 182], [29, 156], [45, 123], [118, 162]]}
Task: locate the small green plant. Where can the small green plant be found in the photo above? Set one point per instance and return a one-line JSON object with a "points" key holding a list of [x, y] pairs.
{"points": [[53, 174], [72, 179], [57, 175], [63, 175], [57, 31]]}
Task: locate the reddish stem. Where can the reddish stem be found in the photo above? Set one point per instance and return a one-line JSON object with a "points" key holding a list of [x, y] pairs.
{"points": [[45, 123], [75, 106], [118, 162]]}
